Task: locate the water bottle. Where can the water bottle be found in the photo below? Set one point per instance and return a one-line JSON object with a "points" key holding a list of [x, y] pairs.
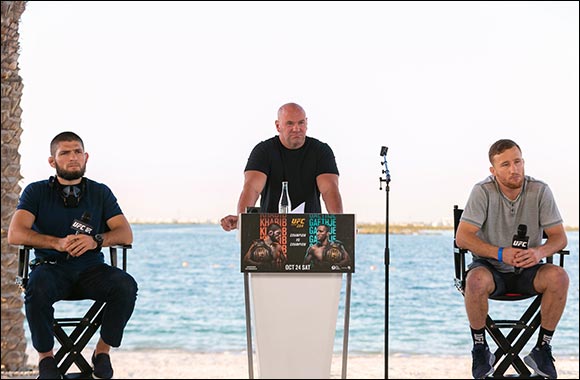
{"points": [[284, 206]]}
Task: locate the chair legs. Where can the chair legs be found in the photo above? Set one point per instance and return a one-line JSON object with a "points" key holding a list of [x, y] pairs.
{"points": [[510, 346], [70, 351]]}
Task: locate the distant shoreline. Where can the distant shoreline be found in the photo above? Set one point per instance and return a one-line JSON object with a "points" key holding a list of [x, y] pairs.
{"points": [[400, 229], [362, 228], [418, 228]]}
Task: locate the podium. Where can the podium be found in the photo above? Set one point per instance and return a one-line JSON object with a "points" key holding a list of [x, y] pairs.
{"points": [[293, 267]]}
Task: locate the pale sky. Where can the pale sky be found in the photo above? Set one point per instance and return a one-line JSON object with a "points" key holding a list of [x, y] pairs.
{"points": [[170, 97]]}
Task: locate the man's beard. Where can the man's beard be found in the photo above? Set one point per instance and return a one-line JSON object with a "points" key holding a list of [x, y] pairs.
{"points": [[70, 176], [515, 184]]}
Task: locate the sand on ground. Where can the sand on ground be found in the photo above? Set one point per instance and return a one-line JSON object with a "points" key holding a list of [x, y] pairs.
{"points": [[179, 364]]}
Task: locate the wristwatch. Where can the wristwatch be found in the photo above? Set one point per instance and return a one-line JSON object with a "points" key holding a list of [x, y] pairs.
{"points": [[99, 239]]}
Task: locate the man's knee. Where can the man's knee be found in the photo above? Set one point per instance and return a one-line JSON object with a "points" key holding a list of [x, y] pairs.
{"points": [[128, 286], [554, 277], [479, 280]]}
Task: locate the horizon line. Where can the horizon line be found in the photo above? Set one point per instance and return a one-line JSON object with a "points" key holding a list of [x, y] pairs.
{"points": [[443, 225]]}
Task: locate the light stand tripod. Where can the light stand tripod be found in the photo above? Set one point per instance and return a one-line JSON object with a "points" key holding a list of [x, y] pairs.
{"points": [[386, 180]]}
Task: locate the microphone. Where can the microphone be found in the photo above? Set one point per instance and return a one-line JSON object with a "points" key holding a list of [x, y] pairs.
{"points": [[387, 178], [82, 226], [520, 240]]}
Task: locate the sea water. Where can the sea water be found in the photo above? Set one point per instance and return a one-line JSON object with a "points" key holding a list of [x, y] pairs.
{"points": [[191, 295]]}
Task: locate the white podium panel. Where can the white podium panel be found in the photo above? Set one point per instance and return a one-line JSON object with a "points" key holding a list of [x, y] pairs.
{"points": [[295, 318]]}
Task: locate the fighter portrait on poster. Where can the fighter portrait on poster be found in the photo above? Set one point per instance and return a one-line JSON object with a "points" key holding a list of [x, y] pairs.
{"points": [[326, 253], [267, 253]]}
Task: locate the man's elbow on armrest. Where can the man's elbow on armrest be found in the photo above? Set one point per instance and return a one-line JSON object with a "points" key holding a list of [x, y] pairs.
{"points": [[460, 240], [12, 238]]}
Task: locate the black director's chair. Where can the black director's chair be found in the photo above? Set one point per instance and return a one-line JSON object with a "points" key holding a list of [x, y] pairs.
{"points": [[83, 328], [508, 346]]}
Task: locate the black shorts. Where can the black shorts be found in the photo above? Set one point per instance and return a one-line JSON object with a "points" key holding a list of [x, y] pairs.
{"points": [[520, 283]]}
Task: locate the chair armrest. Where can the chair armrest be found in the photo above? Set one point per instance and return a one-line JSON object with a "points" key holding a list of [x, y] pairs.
{"points": [[460, 266], [114, 257], [562, 253], [23, 259]]}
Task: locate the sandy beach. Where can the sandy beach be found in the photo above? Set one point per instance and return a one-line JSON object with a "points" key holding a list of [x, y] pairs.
{"points": [[178, 364]]}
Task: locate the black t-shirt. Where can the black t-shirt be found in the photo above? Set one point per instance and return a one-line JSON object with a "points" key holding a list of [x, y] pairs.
{"points": [[299, 167], [42, 199]]}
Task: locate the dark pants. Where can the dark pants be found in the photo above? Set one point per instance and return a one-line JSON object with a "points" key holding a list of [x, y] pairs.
{"points": [[50, 283]]}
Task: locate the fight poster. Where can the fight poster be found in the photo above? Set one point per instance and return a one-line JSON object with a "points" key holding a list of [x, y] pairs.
{"points": [[297, 243]]}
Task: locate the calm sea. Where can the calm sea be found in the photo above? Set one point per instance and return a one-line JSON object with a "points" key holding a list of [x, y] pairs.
{"points": [[191, 295]]}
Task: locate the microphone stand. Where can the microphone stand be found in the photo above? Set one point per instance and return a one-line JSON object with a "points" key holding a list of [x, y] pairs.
{"points": [[386, 180]]}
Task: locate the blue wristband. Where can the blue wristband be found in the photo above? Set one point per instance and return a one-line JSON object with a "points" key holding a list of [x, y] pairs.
{"points": [[500, 254]]}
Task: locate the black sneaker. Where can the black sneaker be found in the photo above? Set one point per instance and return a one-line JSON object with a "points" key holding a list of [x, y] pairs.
{"points": [[102, 368], [542, 361], [47, 369], [483, 360]]}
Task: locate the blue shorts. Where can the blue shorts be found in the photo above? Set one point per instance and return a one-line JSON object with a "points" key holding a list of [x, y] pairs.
{"points": [[518, 283]]}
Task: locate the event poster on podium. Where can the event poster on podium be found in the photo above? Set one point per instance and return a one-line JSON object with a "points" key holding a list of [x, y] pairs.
{"points": [[307, 243]]}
